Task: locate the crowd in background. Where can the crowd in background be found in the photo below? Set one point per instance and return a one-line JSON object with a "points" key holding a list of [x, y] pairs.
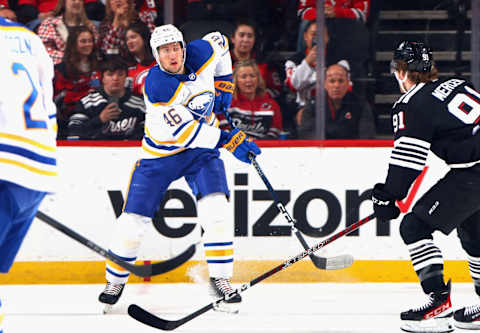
{"points": [[101, 53]]}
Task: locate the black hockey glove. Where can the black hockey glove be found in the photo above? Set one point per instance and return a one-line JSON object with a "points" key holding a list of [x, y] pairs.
{"points": [[383, 204]]}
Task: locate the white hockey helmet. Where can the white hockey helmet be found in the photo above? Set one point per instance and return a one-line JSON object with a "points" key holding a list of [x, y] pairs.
{"points": [[165, 34]]}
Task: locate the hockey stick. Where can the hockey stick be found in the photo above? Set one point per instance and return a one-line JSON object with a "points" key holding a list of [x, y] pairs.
{"points": [[338, 262], [139, 270], [150, 319], [329, 263]]}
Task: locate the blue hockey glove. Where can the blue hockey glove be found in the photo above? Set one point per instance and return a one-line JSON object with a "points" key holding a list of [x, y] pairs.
{"points": [[384, 204], [239, 144], [223, 96]]}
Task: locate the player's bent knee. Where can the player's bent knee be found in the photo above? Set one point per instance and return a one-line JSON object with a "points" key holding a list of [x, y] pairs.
{"points": [[413, 229], [211, 214], [130, 229]]}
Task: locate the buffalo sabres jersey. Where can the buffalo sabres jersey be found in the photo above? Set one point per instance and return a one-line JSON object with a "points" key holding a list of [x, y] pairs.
{"points": [[180, 106], [27, 111], [438, 116]]}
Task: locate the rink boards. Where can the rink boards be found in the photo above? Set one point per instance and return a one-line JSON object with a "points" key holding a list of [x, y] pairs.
{"points": [[325, 187]]}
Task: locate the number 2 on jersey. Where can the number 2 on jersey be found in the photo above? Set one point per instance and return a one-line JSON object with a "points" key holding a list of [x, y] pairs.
{"points": [[30, 100]]}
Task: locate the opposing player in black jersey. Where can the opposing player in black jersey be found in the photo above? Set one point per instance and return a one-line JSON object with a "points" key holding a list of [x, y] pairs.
{"points": [[441, 116]]}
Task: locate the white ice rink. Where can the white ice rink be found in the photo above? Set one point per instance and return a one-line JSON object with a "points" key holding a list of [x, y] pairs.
{"points": [[267, 307]]}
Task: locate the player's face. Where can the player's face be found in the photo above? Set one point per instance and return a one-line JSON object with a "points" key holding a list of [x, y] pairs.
{"points": [[171, 57], [74, 7], [135, 43], [85, 43], [114, 81], [247, 81], [244, 38], [336, 82]]}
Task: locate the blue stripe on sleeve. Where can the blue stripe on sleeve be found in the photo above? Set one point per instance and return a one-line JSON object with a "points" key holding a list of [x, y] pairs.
{"points": [[28, 154], [181, 127], [196, 133]]}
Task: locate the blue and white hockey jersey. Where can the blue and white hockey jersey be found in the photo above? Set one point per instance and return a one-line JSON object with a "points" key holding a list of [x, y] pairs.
{"points": [[180, 106], [27, 112]]}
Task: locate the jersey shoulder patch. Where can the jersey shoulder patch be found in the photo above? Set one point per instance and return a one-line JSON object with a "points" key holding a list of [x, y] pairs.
{"points": [[160, 87], [199, 54]]}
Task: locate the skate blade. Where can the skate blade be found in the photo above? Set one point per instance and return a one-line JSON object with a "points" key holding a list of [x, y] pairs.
{"points": [[434, 325], [468, 326], [107, 309], [231, 308]]}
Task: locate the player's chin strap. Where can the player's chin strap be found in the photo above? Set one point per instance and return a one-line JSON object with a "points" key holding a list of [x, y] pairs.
{"points": [[330, 263]]}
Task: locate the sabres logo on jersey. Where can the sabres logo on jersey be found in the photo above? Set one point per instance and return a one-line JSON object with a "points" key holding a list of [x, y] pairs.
{"points": [[201, 105]]}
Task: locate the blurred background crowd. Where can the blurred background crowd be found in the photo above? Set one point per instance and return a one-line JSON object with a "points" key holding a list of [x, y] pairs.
{"points": [[101, 53]]}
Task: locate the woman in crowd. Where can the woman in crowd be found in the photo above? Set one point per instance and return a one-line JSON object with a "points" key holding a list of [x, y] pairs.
{"points": [[54, 31], [76, 75], [243, 48], [140, 56], [120, 14], [253, 110]]}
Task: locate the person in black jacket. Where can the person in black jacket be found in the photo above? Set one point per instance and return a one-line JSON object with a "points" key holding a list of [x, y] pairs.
{"points": [[344, 111], [111, 112]]}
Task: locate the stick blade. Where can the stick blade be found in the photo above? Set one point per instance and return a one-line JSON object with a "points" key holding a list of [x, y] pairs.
{"points": [[339, 262], [149, 319]]}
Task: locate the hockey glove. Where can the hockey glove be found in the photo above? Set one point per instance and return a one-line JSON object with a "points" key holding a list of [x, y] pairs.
{"points": [[384, 204], [223, 96], [239, 144]]}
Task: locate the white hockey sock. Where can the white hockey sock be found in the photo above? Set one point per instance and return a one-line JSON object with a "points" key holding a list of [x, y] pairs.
{"points": [[125, 243], [218, 237], [1, 317]]}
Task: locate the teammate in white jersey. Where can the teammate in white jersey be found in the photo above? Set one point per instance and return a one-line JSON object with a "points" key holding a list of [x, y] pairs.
{"points": [[28, 166], [182, 93]]}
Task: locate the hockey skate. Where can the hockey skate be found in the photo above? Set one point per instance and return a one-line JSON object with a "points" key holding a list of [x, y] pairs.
{"points": [[434, 316], [468, 317], [110, 295], [220, 287]]}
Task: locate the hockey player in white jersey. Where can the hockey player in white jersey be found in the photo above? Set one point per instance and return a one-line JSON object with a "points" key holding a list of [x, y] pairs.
{"points": [[28, 166], [182, 93]]}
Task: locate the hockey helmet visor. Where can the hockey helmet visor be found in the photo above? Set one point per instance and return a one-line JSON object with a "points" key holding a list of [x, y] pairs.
{"points": [[417, 56]]}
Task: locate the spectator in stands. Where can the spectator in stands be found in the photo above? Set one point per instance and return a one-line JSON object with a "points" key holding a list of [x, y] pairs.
{"points": [[140, 56], [351, 9], [344, 110], [119, 15], [76, 75], [111, 112], [253, 110], [6, 12], [33, 12], [243, 48], [54, 31], [300, 69]]}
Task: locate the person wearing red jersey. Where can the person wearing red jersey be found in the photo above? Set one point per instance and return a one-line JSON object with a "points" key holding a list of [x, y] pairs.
{"points": [[141, 58], [76, 75], [253, 110], [352, 9]]}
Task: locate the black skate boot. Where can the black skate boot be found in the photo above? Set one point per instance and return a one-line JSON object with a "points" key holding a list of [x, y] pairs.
{"points": [[110, 295], [433, 316], [468, 317], [220, 287]]}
